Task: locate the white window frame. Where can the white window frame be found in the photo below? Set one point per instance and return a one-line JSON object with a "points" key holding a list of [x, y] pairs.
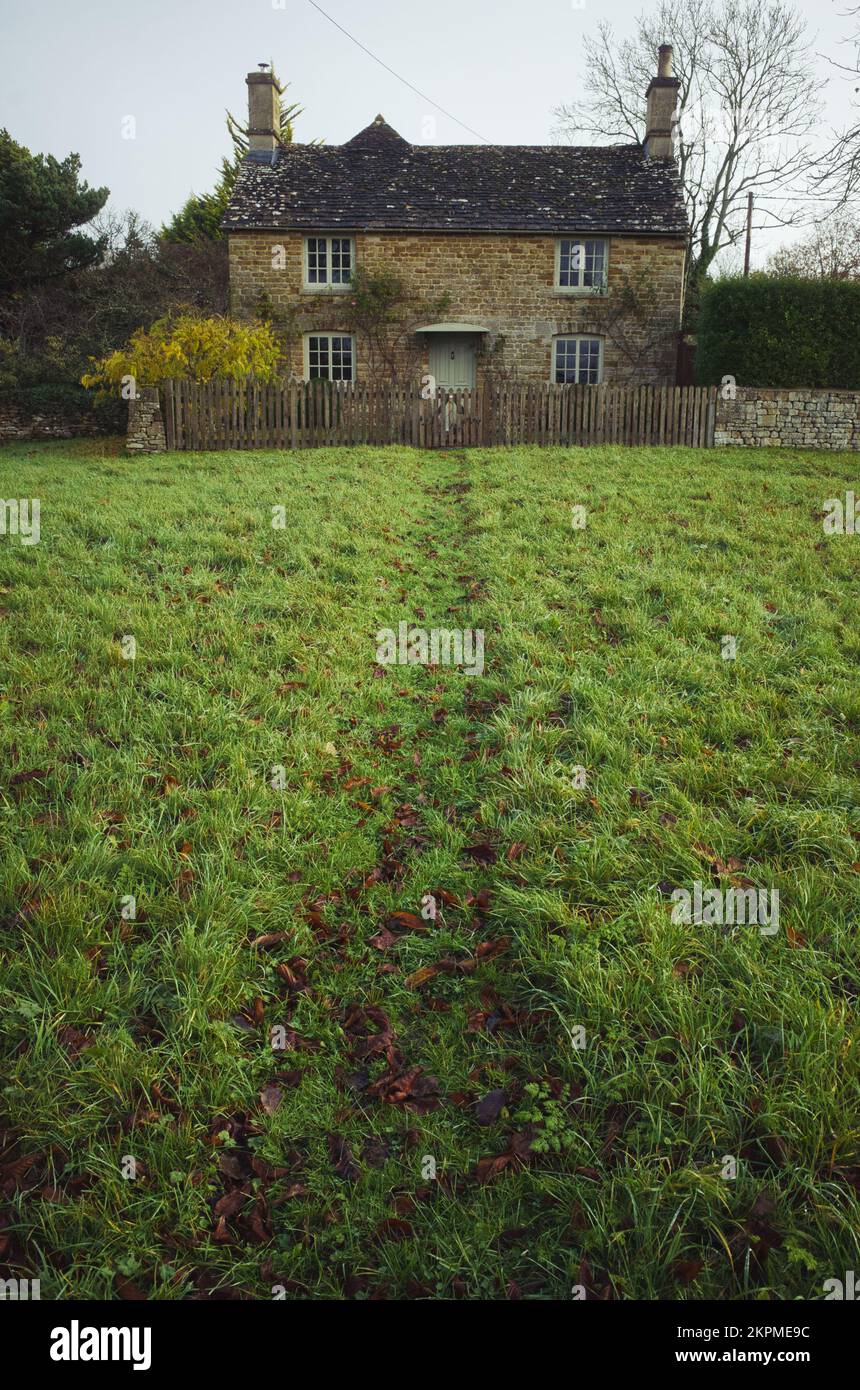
{"points": [[577, 338], [326, 287], [327, 333], [579, 287]]}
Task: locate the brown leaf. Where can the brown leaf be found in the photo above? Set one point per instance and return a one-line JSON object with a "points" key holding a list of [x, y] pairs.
{"points": [[481, 853], [487, 950], [490, 1107], [776, 1149], [393, 1228], [183, 881], [128, 1290], [731, 866], [230, 1203], [342, 1159], [73, 1040], [481, 900], [414, 1089], [270, 1098], [488, 1168], [421, 975], [685, 1271], [517, 1152], [272, 938], [383, 940], [234, 1164], [406, 921]]}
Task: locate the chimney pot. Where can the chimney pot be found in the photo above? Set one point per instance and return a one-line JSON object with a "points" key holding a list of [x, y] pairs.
{"points": [[664, 60]]}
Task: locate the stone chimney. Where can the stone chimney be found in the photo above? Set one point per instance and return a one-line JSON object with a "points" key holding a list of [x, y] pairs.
{"points": [[661, 95], [264, 109]]}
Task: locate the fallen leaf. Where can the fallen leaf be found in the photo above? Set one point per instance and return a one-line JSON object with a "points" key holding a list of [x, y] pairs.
{"points": [[394, 1228], [490, 1107], [342, 1159], [481, 853], [407, 921], [421, 975], [270, 1098], [685, 1271]]}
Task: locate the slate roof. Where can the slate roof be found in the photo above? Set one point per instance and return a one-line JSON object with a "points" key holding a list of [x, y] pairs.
{"points": [[377, 181]]}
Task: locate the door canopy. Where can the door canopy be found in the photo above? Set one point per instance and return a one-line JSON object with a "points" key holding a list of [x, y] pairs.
{"points": [[452, 328]]}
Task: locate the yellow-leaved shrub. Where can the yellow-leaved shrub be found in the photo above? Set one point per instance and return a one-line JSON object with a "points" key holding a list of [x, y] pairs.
{"points": [[191, 347]]}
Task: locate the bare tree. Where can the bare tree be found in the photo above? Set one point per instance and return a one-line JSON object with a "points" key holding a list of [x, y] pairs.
{"points": [[831, 252], [748, 104], [839, 167]]}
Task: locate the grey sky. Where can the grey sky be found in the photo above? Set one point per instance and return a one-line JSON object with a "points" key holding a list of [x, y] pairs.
{"points": [[71, 73]]}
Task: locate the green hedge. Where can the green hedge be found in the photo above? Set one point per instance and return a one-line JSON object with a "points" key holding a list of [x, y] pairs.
{"points": [[772, 330]]}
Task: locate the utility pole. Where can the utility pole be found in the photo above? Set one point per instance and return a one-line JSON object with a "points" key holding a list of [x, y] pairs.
{"points": [[749, 234]]}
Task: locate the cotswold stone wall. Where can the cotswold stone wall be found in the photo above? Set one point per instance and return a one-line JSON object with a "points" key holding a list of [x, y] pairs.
{"points": [[502, 282], [800, 419], [145, 423], [17, 422]]}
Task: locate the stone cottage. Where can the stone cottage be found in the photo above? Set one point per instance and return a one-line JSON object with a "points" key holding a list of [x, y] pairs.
{"points": [[537, 263]]}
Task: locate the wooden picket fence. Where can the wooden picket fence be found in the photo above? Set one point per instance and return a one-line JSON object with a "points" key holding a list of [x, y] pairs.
{"points": [[228, 414]]}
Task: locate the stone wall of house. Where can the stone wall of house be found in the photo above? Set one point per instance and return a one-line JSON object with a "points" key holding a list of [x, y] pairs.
{"points": [[502, 282], [145, 423], [800, 419], [19, 422]]}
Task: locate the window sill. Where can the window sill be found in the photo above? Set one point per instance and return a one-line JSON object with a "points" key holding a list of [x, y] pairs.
{"points": [[326, 289], [561, 292]]}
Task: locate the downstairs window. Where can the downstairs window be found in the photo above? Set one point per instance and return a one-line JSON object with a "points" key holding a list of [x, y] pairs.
{"points": [[329, 357], [578, 361]]}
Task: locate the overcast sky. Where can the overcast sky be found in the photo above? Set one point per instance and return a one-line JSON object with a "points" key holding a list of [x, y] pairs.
{"points": [[71, 73]]}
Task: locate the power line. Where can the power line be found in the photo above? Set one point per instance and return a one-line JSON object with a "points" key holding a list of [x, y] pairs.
{"points": [[422, 95], [789, 198]]}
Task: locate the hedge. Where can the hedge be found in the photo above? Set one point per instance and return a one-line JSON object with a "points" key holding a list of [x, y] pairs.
{"points": [[769, 330]]}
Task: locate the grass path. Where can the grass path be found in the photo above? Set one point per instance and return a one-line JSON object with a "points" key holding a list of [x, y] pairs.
{"points": [[537, 1090]]}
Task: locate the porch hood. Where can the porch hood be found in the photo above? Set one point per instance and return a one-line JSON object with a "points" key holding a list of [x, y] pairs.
{"points": [[453, 328]]}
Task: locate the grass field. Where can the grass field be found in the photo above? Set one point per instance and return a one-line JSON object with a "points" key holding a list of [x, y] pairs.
{"points": [[547, 1087]]}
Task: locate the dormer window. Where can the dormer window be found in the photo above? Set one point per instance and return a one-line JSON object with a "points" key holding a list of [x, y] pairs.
{"points": [[580, 264], [328, 262]]}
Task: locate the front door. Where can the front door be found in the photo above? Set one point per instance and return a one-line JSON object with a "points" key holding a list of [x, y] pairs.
{"points": [[452, 361]]}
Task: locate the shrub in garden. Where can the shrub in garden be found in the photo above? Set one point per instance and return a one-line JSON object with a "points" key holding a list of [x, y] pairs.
{"points": [[192, 347]]}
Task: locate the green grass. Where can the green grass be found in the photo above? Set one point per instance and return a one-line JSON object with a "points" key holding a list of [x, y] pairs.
{"points": [[256, 649]]}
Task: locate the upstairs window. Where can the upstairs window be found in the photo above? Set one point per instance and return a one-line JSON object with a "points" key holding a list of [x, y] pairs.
{"points": [[329, 357], [580, 264], [578, 361], [328, 262]]}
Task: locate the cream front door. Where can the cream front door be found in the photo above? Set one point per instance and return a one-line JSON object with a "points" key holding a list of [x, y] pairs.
{"points": [[452, 361]]}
